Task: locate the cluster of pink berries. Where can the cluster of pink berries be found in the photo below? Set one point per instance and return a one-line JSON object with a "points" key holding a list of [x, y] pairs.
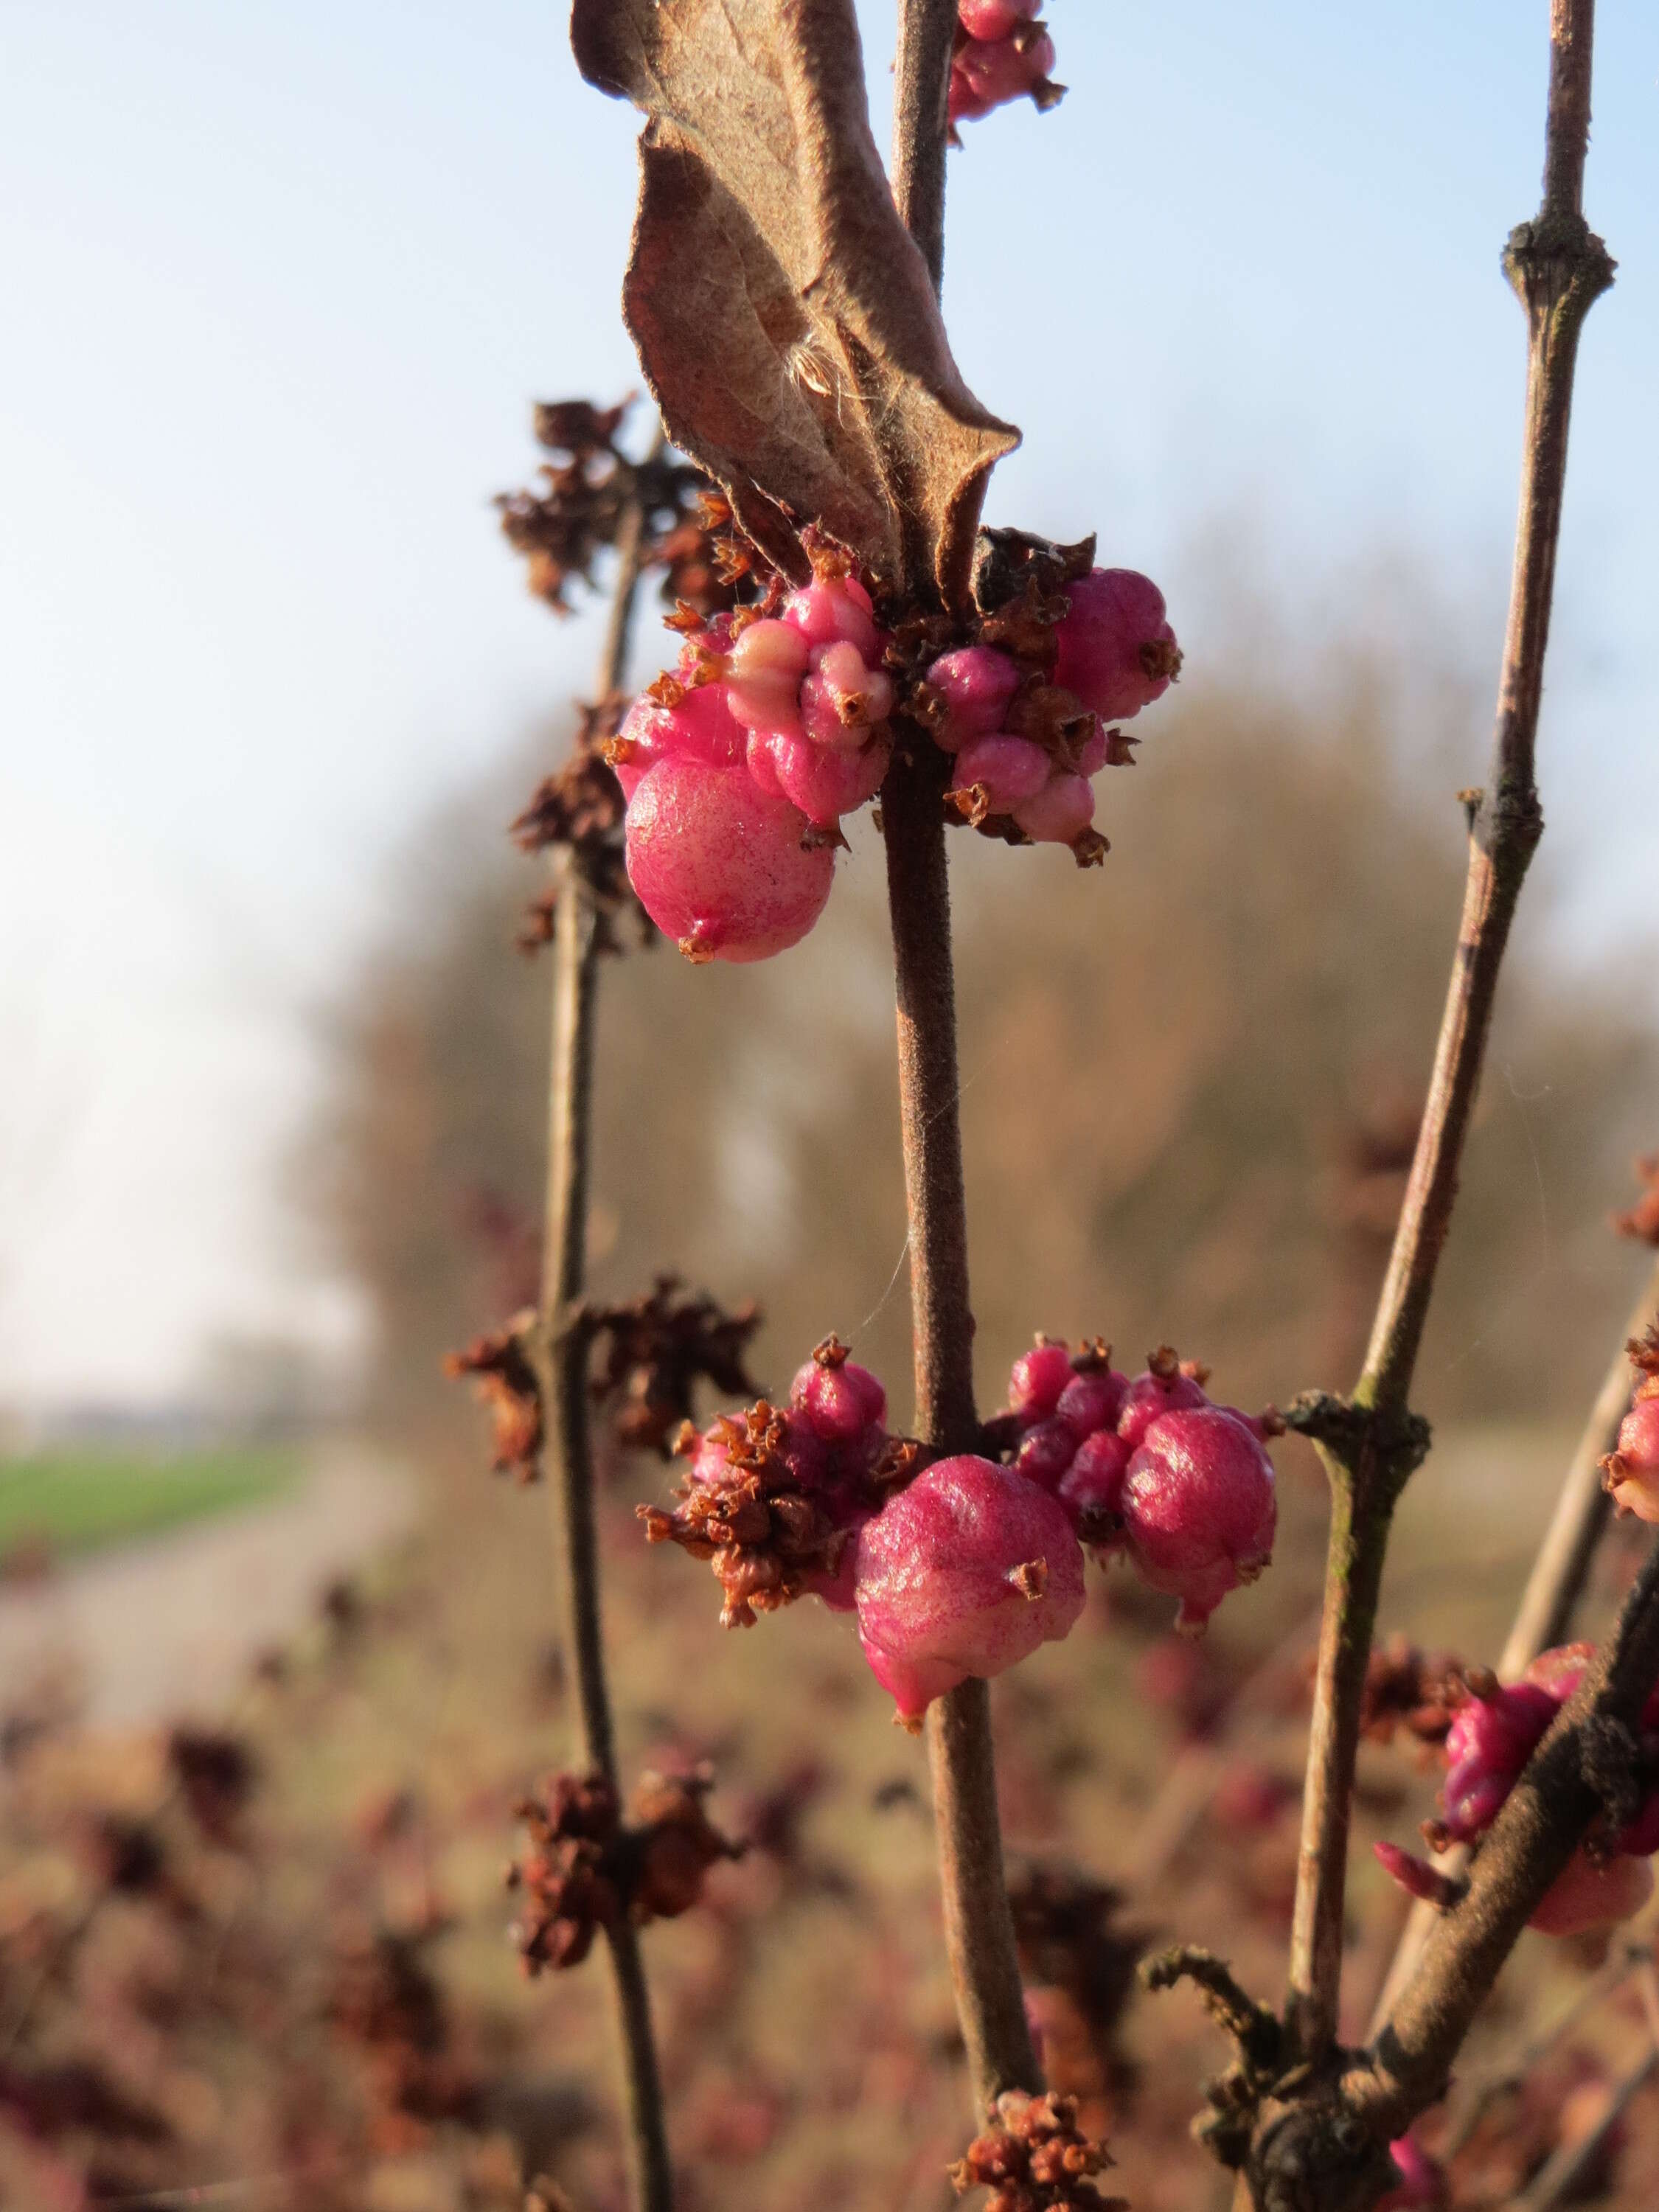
{"points": [[1148, 1467], [738, 767], [965, 1568], [1115, 653], [1002, 53], [1488, 1746]]}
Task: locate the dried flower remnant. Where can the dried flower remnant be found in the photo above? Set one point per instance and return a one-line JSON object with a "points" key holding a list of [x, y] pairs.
{"points": [[215, 1772], [1417, 1693], [1080, 1963], [1034, 2157], [1630, 1473], [587, 490], [586, 1869], [655, 1349], [775, 1496], [387, 2003], [505, 1383]]}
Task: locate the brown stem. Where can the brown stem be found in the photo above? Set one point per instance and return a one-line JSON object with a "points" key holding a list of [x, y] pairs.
{"points": [[1558, 268], [562, 1343], [978, 1924]]}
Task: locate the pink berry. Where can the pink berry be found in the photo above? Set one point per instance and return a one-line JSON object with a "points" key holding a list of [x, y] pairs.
{"points": [[1199, 1510], [836, 609], [1060, 811], [1045, 1453], [1422, 2184], [1092, 1488], [1037, 1379], [719, 865], [1091, 1400], [1153, 1393], [976, 684], [768, 664], [1588, 1894], [839, 1398], [987, 73], [843, 699], [995, 19], [1559, 1671], [1116, 651], [825, 784], [1011, 769], [1633, 1469], [702, 727], [963, 1574], [1489, 1743]]}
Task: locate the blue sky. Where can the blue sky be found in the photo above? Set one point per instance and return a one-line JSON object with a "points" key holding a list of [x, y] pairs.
{"points": [[281, 283]]}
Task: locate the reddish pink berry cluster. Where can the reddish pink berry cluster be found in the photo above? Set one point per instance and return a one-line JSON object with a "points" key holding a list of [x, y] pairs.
{"points": [[737, 768], [1115, 652], [1487, 1749], [1002, 53], [1148, 1467]]}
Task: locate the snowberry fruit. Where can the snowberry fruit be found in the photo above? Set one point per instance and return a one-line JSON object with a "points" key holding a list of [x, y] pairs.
{"points": [[995, 19], [1199, 1510], [1010, 770], [962, 1574], [987, 73], [1045, 1452], [1117, 652], [1157, 1390], [1091, 1400], [976, 684], [825, 785], [1092, 1488], [719, 864], [1059, 812], [1422, 2185], [700, 727], [768, 663], [1037, 1378], [1633, 1471], [841, 1399], [843, 698], [834, 610], [1590, 1894]]}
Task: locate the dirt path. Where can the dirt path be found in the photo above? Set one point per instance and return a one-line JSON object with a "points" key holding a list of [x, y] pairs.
{"points": [[169, 1627]]}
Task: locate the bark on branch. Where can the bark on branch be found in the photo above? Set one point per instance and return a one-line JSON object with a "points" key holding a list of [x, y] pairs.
{"points": [[1558, 268]]}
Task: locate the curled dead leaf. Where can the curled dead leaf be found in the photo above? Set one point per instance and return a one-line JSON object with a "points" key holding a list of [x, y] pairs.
{"points": [[784, 317]]}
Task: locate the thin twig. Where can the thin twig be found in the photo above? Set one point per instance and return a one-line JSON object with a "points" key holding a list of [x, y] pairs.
{"points": [[979, 1926], [561, 1350], [1558, 268], [1553, 1588]]}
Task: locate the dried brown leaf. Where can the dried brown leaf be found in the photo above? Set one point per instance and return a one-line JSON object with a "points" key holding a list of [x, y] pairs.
{"points": [[784, 317]]}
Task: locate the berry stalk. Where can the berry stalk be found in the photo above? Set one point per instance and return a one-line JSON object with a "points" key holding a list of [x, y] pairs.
{"points": [[1558, 268], [979, 1926], [560, 1346]]}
